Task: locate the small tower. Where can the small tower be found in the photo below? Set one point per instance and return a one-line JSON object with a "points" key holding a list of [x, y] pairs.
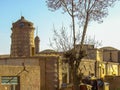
{"points": [[37, 41], [22, 38]]}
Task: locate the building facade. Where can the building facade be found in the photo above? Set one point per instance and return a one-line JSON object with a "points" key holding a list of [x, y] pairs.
{"points": [[28, 68]]}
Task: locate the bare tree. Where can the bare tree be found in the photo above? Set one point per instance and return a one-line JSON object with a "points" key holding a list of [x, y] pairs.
{"points": [[85, 11], [62, 40]]}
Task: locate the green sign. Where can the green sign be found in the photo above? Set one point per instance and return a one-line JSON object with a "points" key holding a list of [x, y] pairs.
{"points": [[9, 80]]}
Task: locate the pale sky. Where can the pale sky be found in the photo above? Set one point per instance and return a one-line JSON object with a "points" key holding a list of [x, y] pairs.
{"points": [[37, 12]]}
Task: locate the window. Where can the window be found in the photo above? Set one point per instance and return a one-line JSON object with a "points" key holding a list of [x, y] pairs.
{"points": [[21, 24]]}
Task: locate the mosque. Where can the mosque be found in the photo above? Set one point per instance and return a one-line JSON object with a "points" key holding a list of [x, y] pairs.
{"points": [[25, 68], [28, 68]]}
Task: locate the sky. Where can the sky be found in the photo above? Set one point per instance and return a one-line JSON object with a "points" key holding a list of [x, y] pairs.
{"points": [[37, 12]]}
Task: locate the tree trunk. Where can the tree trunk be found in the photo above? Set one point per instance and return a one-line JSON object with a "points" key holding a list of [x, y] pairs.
{"points": [[73, 24], [84, 31], [76, 80]]}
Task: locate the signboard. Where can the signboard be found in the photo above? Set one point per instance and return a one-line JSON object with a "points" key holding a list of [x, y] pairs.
{"points": [[9, 80]]}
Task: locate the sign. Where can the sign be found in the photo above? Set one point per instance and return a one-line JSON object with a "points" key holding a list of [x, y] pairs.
{"points": [[9, 80]]}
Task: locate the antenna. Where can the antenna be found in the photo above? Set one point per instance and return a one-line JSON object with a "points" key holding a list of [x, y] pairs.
{"points": [[21, 13], [37, 31]]}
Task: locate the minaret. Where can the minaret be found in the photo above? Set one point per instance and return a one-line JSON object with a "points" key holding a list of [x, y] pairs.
{"points": [[22, 38], [37, 41]]}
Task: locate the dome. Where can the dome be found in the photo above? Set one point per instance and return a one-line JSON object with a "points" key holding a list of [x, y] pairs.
{"points": [[21, 21], [108, 48], [47, 51]]}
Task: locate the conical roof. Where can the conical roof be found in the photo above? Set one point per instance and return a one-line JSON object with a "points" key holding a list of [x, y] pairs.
{"points": [[37, 38]]}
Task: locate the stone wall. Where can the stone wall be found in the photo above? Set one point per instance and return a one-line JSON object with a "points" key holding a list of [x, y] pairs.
{"points": [[114, 82], [29, 78], [87, 67], [35, 73]]}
